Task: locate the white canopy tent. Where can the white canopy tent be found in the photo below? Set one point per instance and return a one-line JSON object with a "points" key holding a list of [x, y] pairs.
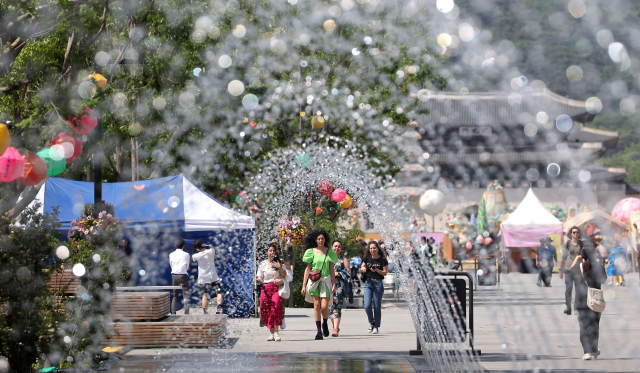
{"points": [[530, 222]]}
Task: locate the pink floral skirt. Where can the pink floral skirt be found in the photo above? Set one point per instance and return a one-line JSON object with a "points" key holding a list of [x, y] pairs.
{"points": [[270, 306]]}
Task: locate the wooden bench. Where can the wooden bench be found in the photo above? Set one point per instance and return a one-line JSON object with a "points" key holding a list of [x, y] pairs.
{"points": [[179, 331], [57, 281], [140, 306]]}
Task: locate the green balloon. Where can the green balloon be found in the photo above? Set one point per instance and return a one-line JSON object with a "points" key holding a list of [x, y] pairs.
{"points": [[54, 159]]}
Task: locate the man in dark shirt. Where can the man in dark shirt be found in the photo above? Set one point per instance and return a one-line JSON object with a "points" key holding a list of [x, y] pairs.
{"points": [[547, 257]]}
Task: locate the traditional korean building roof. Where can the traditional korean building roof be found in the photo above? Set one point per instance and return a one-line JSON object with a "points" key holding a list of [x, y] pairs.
{"points": [[584, 152], [582, 134], [499, 108]]}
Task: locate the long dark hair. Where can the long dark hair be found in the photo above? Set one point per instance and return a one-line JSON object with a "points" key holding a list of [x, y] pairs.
{"points": [[367, 252], [310, 240]]}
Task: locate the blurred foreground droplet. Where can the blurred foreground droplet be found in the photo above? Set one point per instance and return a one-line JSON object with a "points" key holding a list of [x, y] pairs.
{"points": [[235, 88], [609, 295], [553, 169], [96, 258], [445, 6], [564, 123], [86, 90], [79, 270], [62, 252]]}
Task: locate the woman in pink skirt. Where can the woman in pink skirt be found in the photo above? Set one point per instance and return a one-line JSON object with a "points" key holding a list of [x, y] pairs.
{"points": [[271, 274]]}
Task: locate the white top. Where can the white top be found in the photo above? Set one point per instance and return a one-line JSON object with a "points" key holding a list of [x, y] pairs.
{"points": [[265, 271], [179, 261], [206, 266]]}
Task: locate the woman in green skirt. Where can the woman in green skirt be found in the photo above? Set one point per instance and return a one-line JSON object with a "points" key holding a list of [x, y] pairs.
{"points": [[319, 258]]}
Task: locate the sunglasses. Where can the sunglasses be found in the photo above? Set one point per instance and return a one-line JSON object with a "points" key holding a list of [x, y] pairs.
{"points": [[574, 232]]}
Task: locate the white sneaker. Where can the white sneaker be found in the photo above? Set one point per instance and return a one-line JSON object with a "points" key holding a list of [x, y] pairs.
{"points": [[588, 356], [271, 338], [284, 325], [370, 328], [375, 331], [276, 337]]}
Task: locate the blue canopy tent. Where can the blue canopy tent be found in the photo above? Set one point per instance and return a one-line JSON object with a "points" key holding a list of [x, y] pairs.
{"points": [[155, 213]]}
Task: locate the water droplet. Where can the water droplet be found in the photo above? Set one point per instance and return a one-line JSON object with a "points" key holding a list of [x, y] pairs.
{"points": [[564, 123], [62, 252], [553, 169], [79, 270], [96, 258], [235, 87]]}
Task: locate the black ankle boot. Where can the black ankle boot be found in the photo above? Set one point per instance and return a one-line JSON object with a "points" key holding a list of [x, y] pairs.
{"points": [[319, 335]]}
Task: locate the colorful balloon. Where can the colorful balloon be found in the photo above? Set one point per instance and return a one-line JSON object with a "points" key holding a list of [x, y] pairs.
{"points": [[54, 159], [101, 81], [479, 238], [11, 165], [72, 146], [468, 245], [318, 210], [623, 209], [488, 241], [347, 203], [86, 125], [325, 188], [35, 170], [338, 195], [5, 138]]}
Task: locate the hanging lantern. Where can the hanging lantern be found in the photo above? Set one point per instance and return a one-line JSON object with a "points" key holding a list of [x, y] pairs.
{"points": [[72, 146], [54, 159], [101, 81], [325, 188], [303, 159], [5, 138], [11, 165], [338, 195], [86, 125], [347, 203], [318, 210], [317, 122], [241, 198], [35, 170]]}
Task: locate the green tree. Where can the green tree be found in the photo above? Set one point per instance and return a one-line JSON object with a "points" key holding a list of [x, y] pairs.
{"points": [[29, 313], [208, 88]]}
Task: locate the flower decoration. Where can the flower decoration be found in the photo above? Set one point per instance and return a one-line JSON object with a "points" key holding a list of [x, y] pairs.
{"points": [[93, 229], [291, 231]]}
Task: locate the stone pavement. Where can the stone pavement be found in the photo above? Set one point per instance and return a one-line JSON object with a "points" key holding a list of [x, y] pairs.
{"points": [[519, 327], [522, 328]]}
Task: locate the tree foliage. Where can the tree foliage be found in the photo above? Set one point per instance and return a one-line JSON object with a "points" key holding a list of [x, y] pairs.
{"points": [[169, 105]]}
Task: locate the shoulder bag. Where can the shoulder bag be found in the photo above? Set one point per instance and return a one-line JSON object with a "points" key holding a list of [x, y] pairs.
{"points": [[315, 275], [283, 289], [595, 297]]}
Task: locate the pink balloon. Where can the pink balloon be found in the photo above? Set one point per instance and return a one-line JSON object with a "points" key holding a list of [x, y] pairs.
{"points": [[469, 245], [338, 195], [488, 241], [479, 239], [623, 209], [11, 165]]}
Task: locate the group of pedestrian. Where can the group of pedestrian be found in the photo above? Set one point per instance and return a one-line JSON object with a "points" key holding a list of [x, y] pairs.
{"points": [[327, 282], [209, 282]]}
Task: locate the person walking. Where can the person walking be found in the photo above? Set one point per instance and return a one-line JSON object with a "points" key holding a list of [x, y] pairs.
{"points": [[571, 250], [208, 278], [374, 266], [271, 274], [545, 261], [587, 272], [617, 264], [343, 287], [179, 261], [319, 277]]}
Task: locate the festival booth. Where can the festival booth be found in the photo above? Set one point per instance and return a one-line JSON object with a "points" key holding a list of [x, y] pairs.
{"points": [[155, 212], [597, 217], [525, 226]]}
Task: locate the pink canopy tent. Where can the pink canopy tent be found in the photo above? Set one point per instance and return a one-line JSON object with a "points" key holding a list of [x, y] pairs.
{"points": [[530, 222]]}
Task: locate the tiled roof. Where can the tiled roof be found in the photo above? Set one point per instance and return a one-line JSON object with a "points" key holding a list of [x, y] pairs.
{"points": [[587, 151], [586, 134], [499, 108]]}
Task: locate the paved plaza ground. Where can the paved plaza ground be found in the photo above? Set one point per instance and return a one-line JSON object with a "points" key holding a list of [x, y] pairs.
{"points": [[519, 327]]}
